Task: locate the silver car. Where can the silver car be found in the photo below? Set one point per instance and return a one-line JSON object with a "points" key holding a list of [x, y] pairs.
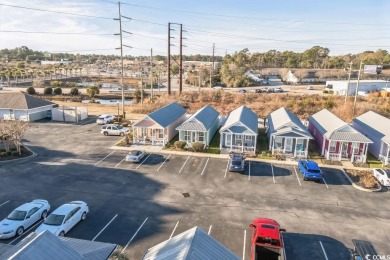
{"points": [[135, 156], [112, 129], [104, 119]]}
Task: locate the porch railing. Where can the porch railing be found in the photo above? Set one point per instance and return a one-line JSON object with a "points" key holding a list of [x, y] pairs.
{"points": [[332, 156], [385, 160], [358, 158]]}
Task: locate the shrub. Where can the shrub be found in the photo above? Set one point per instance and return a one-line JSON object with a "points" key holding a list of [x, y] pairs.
{"points": [[14, 153], [9, 153], [330, 91], [180, 144], [31, 91], [198, 147], [325, 91], [13, 149], [54, 83], [125, 124], [3, 154], [2, 150], [48, 91], [74, 91], [57, 91]]}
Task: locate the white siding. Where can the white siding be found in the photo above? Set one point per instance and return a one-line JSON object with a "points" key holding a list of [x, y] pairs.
{"points": [[171, 129]]}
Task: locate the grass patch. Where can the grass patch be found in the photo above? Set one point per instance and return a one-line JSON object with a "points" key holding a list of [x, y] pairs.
{"points": [[214, 144], [364, 179], [262, 147], [373, 162]]}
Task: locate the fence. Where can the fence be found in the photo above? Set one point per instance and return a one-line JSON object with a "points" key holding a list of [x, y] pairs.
{"points": [[69, 114]]}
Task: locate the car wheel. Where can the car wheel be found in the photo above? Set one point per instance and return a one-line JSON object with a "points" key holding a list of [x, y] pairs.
{"points": [[61, 234], [304, 179], [19, 231], [383, 182], [105, 133], [44, 214], [84, 216], [122, 134]]}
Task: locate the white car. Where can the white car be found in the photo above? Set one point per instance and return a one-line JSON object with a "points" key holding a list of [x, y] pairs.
{"points": [[113, 129], [310, 88], [135, 156], [23, 217], [105, 119], [64, 218], [362, 93], [382, 175]]}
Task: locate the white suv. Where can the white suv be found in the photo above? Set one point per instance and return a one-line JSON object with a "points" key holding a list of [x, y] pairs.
{"points": [[104, 119], [114, 130]]}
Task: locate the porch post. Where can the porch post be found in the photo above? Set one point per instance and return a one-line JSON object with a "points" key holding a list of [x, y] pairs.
{"points": [[327, 157], [387, 156], [341, 149], [295, 149], [242, 143], [231, 142], [272, 144], [365, 152], [323, 145], [221, 140], [307, 148]]}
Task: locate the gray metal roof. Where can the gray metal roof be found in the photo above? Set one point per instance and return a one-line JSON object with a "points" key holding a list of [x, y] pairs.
{"points": [[167, 114], [46, 245], [193, 244], [18, 100], [283, 120], [326, 122], [90, 250], [201, 120], [244, 115], [349, 137], [292, 132], [376, 122], [42, 246]]}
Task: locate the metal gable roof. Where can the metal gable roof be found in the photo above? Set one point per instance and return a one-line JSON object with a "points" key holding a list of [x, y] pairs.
{"points": [[377, 122], [326, 122], [349, 136], [292, 131], [192, 244], [201, 120], [167, 114], [18, 100], [283, 120], [90, 250], [244, 115]]}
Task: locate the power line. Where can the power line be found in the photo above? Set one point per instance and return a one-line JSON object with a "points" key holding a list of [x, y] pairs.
{"points": [[81, 50], [28, 32], [56, 12]]}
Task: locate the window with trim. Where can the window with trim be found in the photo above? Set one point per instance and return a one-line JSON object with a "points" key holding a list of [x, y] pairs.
{"points": [[160, 134], [332, 146], [300, 145], [201, 136], [278, 142], [186, 135]]}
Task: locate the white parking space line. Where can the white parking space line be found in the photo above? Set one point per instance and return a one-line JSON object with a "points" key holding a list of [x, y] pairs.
{"points": [[184, 164], [26, 231], [243, 250], [227, 166], [163, 163], [173, 231], [323, 250], [273, 175], [249, 177], [4, 203], [204, 168], [208, 233], [120, 162], [105, 157], [295, 169], [136, 232], [105, 227], [325, 183], [143, 161]]}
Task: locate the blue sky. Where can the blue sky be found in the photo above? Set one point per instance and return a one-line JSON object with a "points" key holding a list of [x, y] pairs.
{"points": [[348, 26]]}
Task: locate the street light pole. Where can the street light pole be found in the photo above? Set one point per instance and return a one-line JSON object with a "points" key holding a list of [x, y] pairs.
{"points": [[357, 88], [349, 79]]}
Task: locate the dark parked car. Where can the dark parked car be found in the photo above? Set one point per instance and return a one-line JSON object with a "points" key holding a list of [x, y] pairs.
{"points": [[237, 162], [242, 91], [310, 170]]}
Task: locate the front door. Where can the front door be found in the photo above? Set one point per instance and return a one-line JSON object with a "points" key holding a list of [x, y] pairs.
{"points": [[228, 140], [193, 137], [288, 144], [344, 149]]}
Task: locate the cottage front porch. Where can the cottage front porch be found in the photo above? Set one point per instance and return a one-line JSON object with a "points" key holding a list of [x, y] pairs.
{"points": [[351, 151], [149, 136], [241, 143], [294, 147]]}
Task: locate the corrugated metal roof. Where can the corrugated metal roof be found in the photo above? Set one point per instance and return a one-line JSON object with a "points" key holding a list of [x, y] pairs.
{"points": [[349, 137], [292, 132], [90, 250], [42, 246], [194, 244], [168, 114], [244, 115], [283, 120], [326, 122], [18, 100], [376, 122], [201, 120]]}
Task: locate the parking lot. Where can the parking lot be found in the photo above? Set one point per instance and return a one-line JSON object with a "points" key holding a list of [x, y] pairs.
{"points": [[139, 205]]}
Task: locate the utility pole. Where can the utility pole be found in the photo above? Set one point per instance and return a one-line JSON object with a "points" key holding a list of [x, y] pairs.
{"points": [[121, 84], [212, 64], [357, 88], [151, 73], [181, 60], [169, 59], [349, 79], [210, 75], [142, 86]]}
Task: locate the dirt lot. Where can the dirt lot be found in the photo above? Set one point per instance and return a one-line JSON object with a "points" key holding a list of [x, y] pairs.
{"points": [[364, 179]]}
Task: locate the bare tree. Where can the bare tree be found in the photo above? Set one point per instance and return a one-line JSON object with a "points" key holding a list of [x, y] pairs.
{"points": [[13, 131], [5, 137]]}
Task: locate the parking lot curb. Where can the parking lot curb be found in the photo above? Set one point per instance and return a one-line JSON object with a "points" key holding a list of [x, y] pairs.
{"points": [[34, 154], [359, 187]]}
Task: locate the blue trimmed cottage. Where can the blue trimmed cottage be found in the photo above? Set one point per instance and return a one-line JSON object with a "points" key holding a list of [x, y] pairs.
{"points": [[200, 127]]}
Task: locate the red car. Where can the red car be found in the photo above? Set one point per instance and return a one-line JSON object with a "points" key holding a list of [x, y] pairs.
{"points": [[266, 241]]}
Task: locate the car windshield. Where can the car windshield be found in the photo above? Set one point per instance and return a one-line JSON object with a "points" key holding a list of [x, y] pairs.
{"points": [[54, 220], [119, 127], [17, 215], [314, 171], [102, 117], [134, 153], [236, 163]]}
